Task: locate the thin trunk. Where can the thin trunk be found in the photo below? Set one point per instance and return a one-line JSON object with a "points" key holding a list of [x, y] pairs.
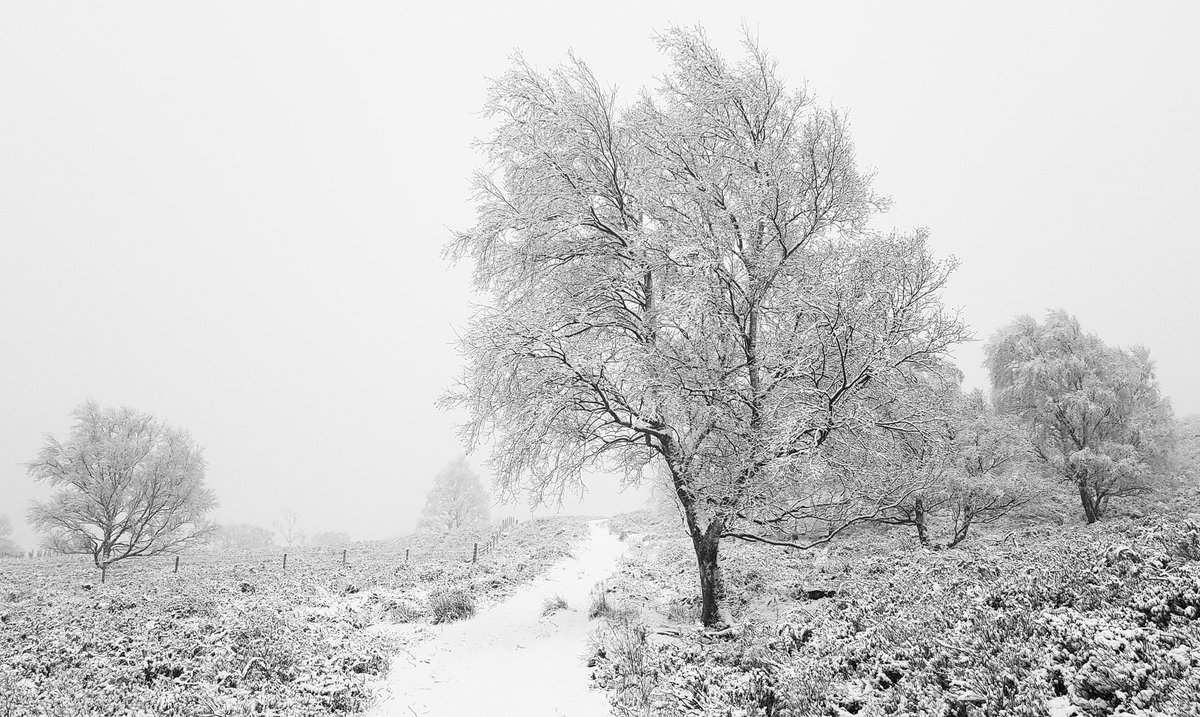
{"points": [[961, 530], [919, 519]]}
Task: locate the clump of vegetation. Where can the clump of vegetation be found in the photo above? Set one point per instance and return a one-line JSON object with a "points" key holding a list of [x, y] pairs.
{"points": [[448, 605], [600, 606], [553, 604], [625, 662]]}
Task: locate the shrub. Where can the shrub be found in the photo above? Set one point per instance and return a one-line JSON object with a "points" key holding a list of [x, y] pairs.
{"points": [[626, 665], [450, 605]]}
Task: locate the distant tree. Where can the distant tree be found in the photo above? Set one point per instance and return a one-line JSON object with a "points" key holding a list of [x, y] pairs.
{"points": [[457, 500], [127, 485], [968, 470], [1096, 415], [330, 539], [241, 536], [7, 546], [290, 532], [692, 280], [1189, 446]]}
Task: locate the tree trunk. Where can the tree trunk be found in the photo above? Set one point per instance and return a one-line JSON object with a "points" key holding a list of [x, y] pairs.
{"points": [[707, 545], [1091, 506], [919, 519], [960, 531]]}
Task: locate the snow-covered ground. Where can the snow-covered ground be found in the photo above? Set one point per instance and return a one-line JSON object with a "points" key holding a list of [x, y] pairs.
{"points": [[509, 659]]}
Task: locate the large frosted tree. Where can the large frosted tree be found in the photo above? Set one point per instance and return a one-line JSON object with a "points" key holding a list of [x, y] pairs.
{"points": [[690, 280], [125, 485], [1097, 417]]}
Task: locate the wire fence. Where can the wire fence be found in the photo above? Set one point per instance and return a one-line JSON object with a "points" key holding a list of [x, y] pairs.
{"points": [[306, 556]]}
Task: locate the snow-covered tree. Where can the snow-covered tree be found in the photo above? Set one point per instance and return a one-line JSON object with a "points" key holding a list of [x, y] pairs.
{"points": [[691, 280], [457, 499], [127, 485], [7, 546], [1097, 417], [970, 471]]}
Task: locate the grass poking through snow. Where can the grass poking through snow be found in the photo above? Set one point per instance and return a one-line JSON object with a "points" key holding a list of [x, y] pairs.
{"points": [[553, 604]]}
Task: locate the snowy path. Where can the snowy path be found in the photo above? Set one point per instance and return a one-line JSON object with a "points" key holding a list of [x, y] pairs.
{"points": [[509, 660]]}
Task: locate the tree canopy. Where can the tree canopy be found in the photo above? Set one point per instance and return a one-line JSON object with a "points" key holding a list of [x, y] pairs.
{"points": [[691, 280], [126, 485], [1097, 417]]}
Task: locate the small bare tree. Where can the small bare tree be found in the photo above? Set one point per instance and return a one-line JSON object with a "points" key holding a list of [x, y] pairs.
{"points": [[127, 486], [290, 532]]}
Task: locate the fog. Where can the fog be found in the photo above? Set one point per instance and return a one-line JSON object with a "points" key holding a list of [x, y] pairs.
{"points": [[231, 215]]}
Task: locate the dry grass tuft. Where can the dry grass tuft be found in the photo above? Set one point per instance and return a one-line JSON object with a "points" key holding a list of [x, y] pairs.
{"points": [[451, 605], [553, 604]]}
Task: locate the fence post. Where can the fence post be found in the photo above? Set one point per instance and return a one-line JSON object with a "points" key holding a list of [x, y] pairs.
{"points": [[176, 563], [475, 553], [285, 561], [406, 556], [343, 556]]}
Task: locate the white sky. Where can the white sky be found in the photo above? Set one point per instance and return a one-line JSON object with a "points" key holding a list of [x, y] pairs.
{"points": [[230, 214]]}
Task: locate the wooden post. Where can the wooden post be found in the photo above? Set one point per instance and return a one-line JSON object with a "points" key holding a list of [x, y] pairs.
{"points": [[285, 561], [475, 553], [176, 563], [406, 556], [343, 556]]}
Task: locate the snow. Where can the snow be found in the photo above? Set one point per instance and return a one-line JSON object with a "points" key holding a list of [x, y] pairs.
{"points": [[509, 659]]}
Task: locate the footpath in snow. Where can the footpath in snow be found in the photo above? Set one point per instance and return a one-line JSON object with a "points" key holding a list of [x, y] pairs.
{"points": [[509, 660]]}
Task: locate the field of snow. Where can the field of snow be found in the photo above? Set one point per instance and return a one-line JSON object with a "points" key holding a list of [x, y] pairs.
{"points": [[236, 634]]}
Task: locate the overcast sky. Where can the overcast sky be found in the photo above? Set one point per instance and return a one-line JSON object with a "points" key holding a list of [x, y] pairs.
{"points": [[230, 214]]}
